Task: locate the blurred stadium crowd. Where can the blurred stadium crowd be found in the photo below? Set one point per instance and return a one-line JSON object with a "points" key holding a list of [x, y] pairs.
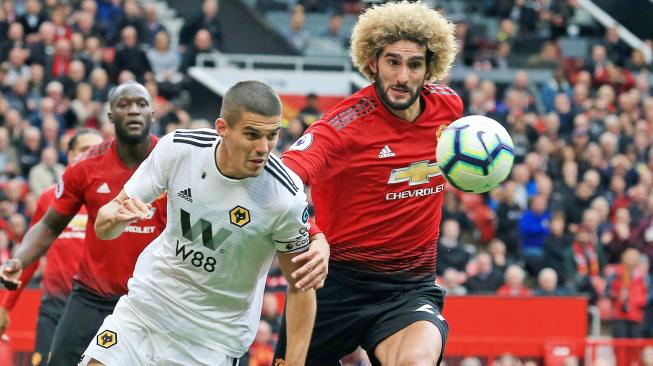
{"points": [[576, 215]]}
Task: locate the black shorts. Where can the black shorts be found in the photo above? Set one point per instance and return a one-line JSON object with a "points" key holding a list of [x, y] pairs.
{"points": [[50, 312], [83, 315], [352, 312]]}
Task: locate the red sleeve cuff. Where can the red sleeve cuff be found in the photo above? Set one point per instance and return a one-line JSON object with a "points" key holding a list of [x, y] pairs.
{"points": [[313, 228], [11, 297]]}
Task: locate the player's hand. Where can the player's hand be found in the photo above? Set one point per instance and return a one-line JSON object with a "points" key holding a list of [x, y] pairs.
{"points": [[313, 273], [132, 209], [10, 274], [4, 320]]}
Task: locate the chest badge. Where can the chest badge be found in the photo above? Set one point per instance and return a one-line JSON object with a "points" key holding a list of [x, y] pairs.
{"points": [[239, 216]]}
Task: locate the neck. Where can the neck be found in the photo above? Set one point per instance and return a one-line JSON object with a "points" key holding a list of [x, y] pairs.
{"points": [[133, 155], [409, 114]]}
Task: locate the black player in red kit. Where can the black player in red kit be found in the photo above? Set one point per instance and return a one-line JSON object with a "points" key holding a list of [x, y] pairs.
{"points": [[378, 193], [92, 181]]}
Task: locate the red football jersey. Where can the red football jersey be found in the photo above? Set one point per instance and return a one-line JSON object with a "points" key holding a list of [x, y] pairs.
{"points": [[94, 180], [376, 188], [63, 256]]}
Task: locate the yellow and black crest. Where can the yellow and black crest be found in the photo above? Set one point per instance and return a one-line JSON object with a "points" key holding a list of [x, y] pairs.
{"points": [[239, 216], [107, 339]]}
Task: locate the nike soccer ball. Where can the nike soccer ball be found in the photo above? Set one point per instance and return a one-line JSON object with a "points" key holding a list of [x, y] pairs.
{"points": [[475, 154]]}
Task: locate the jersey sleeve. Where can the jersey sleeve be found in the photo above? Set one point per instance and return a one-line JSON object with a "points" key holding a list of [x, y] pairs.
{"points": [[151, 178], [315, 152], [69, 193], [291, 232]]}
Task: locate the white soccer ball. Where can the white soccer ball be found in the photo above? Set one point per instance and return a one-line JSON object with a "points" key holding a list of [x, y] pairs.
{"points": [[475, 154]]}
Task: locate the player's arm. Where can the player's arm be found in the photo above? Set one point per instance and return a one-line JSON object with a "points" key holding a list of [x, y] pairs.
{"points": [[36, 242], [115, 216], [313, 272], [300, 313]]}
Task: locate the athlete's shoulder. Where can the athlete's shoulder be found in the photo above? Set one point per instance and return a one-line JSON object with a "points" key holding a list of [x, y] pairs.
{"points": [[94, 154], [198, 138], [352, 110], [443, 96], [280, 175]]}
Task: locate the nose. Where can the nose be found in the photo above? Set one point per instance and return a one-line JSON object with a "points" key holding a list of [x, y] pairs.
{"points": [[133, 109], [262, 146], [402, 74]]}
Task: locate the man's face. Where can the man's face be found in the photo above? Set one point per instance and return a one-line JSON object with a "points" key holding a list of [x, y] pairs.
{"points": [[249, 143], [84, 142], [399, 73], [132, 114]]}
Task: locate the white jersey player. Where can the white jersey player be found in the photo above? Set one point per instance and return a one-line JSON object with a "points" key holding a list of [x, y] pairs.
{"points": [[196, 293]]}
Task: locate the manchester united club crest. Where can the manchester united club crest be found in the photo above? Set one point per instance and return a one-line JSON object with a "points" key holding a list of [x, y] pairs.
{"points": [[439, 131]]}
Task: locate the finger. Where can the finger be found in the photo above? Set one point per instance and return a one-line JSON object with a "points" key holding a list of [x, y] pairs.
{"points": [[311, 281], [306, 256], [306, 268], [10, 284]]}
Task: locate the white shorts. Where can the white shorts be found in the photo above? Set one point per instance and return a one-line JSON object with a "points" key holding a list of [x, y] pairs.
{"points": [[125, 339]]}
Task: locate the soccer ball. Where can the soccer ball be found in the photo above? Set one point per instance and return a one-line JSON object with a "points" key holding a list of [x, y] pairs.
{"points": [[475, 154]]}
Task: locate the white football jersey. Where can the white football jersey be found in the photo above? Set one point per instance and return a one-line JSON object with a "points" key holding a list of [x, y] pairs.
{"points": [[203, 278]]}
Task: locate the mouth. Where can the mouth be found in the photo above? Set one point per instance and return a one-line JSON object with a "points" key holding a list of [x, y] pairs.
{"points": [[133, 125], [258, 162], [400, 92]]}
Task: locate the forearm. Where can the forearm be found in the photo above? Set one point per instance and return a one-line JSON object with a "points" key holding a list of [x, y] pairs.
{"points": [[300, 316], [11, 297], [36, 242], [106, 227]]}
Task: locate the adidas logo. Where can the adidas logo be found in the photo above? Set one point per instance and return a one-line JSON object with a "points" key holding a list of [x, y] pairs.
{"points": [[104, 188], [386, 152], [185, 194]]}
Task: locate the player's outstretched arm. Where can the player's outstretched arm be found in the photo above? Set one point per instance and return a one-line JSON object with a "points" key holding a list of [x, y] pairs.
{"points": [[115, 216], [300, 314], [36, 242]]}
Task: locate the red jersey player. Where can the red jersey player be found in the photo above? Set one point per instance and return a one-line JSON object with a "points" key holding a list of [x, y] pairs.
{"points": [[62, 263], [378, 192], [106, 265]]}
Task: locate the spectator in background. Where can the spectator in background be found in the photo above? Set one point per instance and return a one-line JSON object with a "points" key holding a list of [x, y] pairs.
{"points": [[627, 288], [60, 61], [165, 63], [100, 85], [585, 261], [556, 245], [508, 216], [533, 229], [271, 313], [30, 150], [547, 284], [619, 237], [130, 57], [334, 32], [152, 24], [452, 253], [46, 173], [643, 233], [452, 282], [514, 282], [202, 45], [647, 356], [487, 279], [33, 17], [207, 20], [499, 254], [297, 36], [13, 39], [291, 134], [132, 17], [8, 155], [261, 353], [310, 112], [76, 74]]}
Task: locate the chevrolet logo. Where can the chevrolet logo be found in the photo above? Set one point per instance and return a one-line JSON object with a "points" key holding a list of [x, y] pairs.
{"points": [[417, 173]]}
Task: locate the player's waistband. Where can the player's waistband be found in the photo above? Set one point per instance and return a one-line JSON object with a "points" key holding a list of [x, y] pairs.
{"points": [[349, 274], [92, 298]]}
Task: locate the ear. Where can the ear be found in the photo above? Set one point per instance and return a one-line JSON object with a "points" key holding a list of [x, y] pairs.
{"points": [[109, 116], [221, 126], [374, 64]]}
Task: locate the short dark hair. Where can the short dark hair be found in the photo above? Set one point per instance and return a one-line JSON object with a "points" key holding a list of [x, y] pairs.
{"points": [[79, 132], [251, 96], [115, 92]]}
